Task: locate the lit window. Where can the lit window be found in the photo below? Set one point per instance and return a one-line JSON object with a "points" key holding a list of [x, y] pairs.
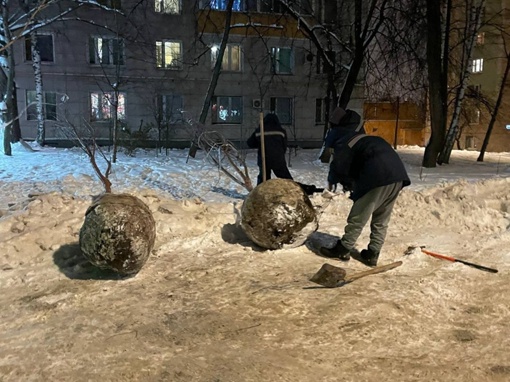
{"points": [[480, 38], [106, 51], [282, 60], [477, 65], [167, 6], [168, 54], [169, 108], [227, 110], [44, 45], [282, 107], [102, 106], [49, 106], [221, 5], [231, 57]]}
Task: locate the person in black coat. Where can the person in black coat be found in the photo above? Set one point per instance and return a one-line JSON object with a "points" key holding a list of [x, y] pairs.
{"points": [[373, 173], [275, 145]]}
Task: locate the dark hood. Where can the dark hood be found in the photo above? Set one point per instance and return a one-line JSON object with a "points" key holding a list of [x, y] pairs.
{"points": [[348, 127]]}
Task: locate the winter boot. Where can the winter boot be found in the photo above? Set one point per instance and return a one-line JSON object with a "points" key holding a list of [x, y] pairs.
{"points": [[337, 252], [368, 257]]}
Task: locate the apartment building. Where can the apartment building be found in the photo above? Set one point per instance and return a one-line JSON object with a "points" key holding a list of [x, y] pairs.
{"points": [[487, 67], [155, 62]]}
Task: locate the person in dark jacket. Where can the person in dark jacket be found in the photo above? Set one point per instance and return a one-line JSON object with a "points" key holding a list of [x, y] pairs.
{"points": [[373, 173], [275, 146]]}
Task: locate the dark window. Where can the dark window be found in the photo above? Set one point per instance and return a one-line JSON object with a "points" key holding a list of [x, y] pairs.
{"points": [[169, 108], [282, 107], [115, 4], [282, 60], [45, 46], [320, 110], [270, 6], [322, 65]]}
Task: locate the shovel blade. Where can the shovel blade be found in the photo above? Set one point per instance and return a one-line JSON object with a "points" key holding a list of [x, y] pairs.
{"points": [[329, 276]]}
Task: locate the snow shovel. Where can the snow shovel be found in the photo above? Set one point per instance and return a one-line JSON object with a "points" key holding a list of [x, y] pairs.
{"points": [[330, 276]]}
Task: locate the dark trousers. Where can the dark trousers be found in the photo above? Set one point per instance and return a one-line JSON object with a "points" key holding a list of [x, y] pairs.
{"points": [[279, 169]]}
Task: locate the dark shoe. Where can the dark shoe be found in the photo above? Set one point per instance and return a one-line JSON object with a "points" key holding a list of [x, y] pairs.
{"points": [[368, 257], [337, 252]]}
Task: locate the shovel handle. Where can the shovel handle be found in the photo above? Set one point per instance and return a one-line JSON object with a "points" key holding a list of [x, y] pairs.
{"points": [[373, 271], [454, 260]]}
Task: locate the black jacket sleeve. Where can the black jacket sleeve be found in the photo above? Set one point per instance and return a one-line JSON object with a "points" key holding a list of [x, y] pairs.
{"points": [[253, 141]]}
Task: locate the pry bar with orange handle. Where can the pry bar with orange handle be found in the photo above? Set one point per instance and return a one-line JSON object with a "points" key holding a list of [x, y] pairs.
{"points": [[453, 259]]}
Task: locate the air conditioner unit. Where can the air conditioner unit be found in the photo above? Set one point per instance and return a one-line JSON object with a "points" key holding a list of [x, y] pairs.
{"points": [[257, 103]]}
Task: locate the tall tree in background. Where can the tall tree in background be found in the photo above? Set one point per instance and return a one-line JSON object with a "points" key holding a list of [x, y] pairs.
{"points": [[437, 62], [217, 66], [361, 21], [473, 11]]}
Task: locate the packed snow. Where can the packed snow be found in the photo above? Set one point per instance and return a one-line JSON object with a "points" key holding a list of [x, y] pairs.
{"points": [[209, 305]]}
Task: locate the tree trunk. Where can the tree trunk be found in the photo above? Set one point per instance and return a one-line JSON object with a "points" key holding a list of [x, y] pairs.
{"points": [[471, 30], [437, 83], [495, 111], [39, 97], [9, 81], [15, 127], [217, 65], [114, 104]]}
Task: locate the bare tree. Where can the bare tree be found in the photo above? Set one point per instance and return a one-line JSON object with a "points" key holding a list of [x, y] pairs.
{"points": [[473, 17], [499, 99]]}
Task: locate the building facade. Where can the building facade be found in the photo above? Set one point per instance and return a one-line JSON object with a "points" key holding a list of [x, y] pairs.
{"points": [[487, 77], [151, 65]]}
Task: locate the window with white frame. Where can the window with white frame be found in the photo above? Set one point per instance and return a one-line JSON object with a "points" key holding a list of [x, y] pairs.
{"points": [[169, 54], [49, 106], [477, 65], [282, 107], [169, 108], [282, 60], [102, 106], [44, 44], [231, 57], [227, 110], [168, 6], [106, 50]]}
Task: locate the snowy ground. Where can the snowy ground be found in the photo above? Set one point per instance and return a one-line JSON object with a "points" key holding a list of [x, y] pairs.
{"points": [[211, 306]]}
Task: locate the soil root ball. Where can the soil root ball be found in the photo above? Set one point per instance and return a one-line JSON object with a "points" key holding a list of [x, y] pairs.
{"points": [[118, 233], [277, 213]]}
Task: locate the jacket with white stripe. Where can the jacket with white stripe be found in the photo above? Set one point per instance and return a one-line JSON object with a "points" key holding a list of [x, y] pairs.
{"points": [[275, 143]]}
